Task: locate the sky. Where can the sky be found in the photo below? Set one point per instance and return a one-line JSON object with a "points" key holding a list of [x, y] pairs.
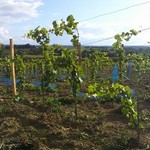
{"points": [[98, 20]]}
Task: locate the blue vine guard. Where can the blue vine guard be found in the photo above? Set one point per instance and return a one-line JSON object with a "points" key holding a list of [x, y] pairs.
{"points": [[115, 74]]}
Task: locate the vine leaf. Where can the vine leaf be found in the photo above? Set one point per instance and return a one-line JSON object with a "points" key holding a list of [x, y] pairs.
{"points": [[134, 32]]}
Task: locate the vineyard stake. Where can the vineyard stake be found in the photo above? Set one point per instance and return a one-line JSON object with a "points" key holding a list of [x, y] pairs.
{"points": [[12, 67]]}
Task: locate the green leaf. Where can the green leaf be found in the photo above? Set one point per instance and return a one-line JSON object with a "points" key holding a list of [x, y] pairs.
{"points": [[70, 18], [44, 31], [54, 24], [69, 30], [123, 34], [90, 89], [134, 32], [75, 25]]}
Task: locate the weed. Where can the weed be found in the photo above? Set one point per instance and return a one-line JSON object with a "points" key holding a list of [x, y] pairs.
{"points": [[55, 103]]}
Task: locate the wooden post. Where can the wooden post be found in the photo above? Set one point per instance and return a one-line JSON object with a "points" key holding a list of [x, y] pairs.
{"points": [[12, 67], [79, 52]]}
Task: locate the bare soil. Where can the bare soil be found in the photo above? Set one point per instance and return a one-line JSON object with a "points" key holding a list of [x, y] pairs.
{"points": [[29, 124]]}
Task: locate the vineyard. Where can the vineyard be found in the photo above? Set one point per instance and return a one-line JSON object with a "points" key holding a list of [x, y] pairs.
{"points": [[66, 101]]}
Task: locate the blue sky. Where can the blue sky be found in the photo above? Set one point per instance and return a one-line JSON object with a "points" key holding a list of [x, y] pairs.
{"points": [[19, 16]]}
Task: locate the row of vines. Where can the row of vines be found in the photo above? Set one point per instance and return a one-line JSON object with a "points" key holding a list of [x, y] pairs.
{"points": [[96, 78]]}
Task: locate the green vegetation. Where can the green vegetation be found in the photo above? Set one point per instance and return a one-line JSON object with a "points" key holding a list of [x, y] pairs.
{"points": [[54, 78]]}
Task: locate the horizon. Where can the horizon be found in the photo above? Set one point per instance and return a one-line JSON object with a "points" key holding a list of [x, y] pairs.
{"points": [[81, 45]]}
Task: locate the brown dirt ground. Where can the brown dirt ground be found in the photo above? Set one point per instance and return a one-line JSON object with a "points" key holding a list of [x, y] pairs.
{"points": [[34, 125]]}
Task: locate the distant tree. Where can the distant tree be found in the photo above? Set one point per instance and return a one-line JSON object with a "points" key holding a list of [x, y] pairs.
{"points": [[1, 49]]}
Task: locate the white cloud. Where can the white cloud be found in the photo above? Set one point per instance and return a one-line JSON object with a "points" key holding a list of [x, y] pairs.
{"points": [[92, 32], [16, 11], [4, 34], [95, 31], [55, 14], [12, 11]]}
